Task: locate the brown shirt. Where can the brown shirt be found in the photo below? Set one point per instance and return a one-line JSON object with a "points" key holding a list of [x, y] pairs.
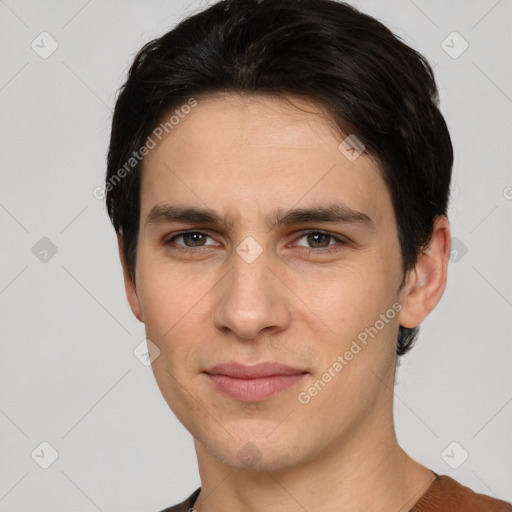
{"points": [[443, 495]]}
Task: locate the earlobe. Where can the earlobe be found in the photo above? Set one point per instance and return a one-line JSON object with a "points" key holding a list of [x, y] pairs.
{"points": [[129, 285], [426, 282]]}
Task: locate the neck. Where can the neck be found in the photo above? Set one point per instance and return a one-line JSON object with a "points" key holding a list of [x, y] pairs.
{"points": [[363, 471]]}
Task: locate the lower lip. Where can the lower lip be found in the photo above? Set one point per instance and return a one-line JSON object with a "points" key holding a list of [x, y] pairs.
{"points": [[248, 390]]}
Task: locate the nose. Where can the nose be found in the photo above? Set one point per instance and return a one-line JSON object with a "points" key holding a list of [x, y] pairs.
{"points": [[253, 298]]}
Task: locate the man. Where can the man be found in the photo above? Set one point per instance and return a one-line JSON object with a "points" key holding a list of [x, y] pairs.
{"points": [[278, 177]]}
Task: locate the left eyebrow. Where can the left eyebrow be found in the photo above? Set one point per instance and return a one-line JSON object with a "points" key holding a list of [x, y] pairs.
{"points": [[337, 213]]}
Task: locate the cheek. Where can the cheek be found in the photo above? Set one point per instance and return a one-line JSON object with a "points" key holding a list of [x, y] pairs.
{"points": [[346, 305], [174, 304], [166, 293], [343, 297]]}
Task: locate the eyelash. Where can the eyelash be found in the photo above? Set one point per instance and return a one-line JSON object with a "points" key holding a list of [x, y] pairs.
{"points": [[329, 250]]}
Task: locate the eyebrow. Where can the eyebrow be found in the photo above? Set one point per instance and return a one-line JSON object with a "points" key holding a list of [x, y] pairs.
{"points": [[338, 213]]}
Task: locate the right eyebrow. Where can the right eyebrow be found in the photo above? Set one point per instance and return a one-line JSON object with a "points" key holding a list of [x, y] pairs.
{"points": [[171, 213]]}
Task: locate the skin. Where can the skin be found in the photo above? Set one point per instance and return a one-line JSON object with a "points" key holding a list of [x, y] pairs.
{"points": [[244, 157]]}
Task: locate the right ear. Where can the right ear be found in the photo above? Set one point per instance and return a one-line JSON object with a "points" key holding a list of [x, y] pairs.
{"points": [[129, 285]]}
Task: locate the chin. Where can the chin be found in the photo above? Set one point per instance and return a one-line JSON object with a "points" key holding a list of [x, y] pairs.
{"points": [[250, 453]]}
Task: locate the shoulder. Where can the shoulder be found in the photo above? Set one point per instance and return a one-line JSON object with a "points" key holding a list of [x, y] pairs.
{"points": [[185, 506], [447, 495]]}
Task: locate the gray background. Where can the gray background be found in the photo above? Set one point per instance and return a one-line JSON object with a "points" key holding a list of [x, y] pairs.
{"points": [[68, 373]]}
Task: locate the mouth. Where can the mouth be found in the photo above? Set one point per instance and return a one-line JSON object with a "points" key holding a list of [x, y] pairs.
{"points": [[254, 383]]}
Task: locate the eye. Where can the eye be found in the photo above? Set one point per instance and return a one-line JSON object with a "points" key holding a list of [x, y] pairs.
{"points": [[191, 239], [319, 240]]}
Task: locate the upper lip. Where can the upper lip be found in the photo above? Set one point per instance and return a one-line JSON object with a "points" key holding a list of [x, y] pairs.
{"points": [[243, 371]]}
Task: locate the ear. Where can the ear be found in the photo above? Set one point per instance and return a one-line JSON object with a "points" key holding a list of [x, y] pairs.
{"points": [[129, 285], [426, 282]]}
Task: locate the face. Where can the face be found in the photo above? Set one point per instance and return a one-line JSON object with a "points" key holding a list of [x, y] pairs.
{"points": [[300, 310]]}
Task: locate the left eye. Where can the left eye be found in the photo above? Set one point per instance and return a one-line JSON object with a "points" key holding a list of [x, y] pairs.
{"points": [[317, 238]]}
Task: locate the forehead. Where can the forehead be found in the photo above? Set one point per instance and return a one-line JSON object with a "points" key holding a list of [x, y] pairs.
{"points": [[232, 150], [254, 120]]}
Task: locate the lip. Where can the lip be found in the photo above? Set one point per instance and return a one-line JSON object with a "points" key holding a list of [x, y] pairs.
{"points": [[255, 382], [245, 371]]}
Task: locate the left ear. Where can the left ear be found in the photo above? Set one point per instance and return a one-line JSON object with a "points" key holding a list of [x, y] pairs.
{"points": [[426, 282]]}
